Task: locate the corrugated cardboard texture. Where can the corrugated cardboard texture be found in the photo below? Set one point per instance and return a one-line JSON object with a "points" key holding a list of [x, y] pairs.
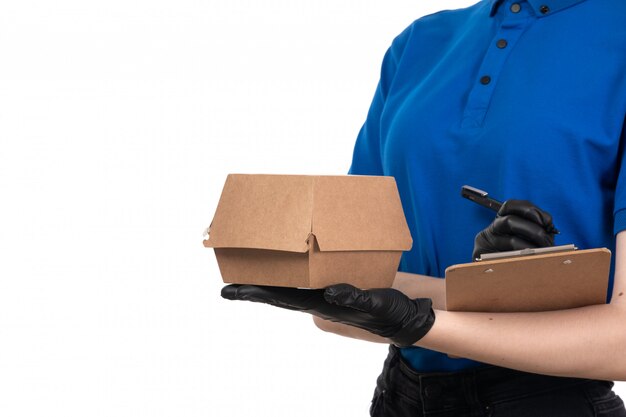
{"points": [[368, 269], [263, 212], [531, 283], [309, 231], [280, 211], [263, 267], [315, 269], [359, 213]]}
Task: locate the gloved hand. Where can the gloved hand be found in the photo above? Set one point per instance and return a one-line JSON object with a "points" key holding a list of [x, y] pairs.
{"points": [[518, 225], [386, 312]]}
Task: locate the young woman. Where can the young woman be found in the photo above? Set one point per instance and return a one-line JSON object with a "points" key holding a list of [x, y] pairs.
{"points": [[525, 99]]}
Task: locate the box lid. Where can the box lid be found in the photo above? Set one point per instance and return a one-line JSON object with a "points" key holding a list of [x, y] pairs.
{"points": [[280, 212], [359, 213]]}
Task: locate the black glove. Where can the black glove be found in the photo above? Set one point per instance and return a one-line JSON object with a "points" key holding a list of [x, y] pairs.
{"points": [[518, 225], [385, 311]]}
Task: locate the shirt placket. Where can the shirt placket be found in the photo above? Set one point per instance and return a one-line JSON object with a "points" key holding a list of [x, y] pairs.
{"points": [[514, 17]]}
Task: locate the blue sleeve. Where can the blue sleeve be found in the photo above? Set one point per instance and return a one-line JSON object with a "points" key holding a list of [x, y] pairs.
{"points": [[367, 156], [619, 221]]}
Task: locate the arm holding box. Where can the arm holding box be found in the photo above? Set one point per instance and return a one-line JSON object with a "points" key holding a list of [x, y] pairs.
{"points": [[586, 342], [412, 285]]}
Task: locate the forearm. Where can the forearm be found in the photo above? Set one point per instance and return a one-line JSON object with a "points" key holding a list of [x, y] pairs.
{"points": [[348, 331], [422, 286], [413, 285], [586, 342]]}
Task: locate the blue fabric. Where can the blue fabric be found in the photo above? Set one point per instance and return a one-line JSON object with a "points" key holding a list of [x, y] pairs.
{"points": [[547, 127]]}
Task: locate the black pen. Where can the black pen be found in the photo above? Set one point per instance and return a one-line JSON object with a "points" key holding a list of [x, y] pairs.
{"points": [[482, 198]]}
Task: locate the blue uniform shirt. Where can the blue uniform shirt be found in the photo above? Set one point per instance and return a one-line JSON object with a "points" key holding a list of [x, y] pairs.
{"points": [[524, 99]]}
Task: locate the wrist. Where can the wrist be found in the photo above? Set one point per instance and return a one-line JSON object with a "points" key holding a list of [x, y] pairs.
{"points": [[418, 326]]}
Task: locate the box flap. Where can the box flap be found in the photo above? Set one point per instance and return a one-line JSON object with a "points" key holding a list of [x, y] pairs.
{"points": [[263, 212], [359, 213]]}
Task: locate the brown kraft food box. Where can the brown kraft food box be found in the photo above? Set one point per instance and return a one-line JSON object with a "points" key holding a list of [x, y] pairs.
{"points": [[309, 231]]}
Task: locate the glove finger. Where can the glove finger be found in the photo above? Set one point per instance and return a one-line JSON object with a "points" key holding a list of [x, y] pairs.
{"points": [[525, 229], [289, 298], [490, 243], [229, 292], [527, 210], [501, 243], [505, 243], [346, 295]]}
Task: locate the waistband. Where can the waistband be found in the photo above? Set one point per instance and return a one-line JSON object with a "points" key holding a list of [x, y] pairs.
{"points": [[483, 385]]}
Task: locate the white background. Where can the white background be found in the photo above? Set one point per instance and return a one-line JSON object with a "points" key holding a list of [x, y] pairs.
{"points": [[119, 121]]}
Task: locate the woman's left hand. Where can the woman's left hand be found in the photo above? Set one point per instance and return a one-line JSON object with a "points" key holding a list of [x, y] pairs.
{"points": [[383, 311]]}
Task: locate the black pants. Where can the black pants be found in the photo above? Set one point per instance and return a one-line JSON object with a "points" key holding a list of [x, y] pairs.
{"points": [[488, 391]]}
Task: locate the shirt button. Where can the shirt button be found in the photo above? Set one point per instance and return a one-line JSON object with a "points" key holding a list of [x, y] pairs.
{"points": [[515, 7], [544, 9], [485, 79], [502, 43]]}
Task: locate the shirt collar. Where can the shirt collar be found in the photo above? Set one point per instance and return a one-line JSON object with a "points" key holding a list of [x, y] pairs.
{"points": [[541, 7]]}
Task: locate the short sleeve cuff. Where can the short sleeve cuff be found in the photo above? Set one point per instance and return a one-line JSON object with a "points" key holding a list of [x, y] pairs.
{"points": [[619, 222]]}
